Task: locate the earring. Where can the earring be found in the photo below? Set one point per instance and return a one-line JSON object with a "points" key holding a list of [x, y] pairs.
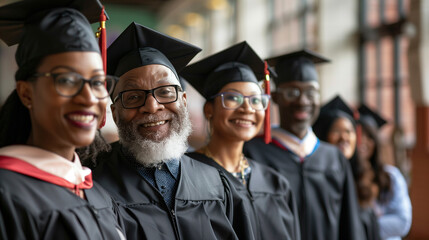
{"points": [[29, 106]]}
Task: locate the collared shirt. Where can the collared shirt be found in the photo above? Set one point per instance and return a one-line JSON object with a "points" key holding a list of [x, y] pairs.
{"points": [[301, 147], [164, 178], [71, 171]]}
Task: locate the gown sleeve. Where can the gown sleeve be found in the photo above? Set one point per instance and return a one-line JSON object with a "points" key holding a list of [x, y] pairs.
{"points": [[396, 220], [15, 222], [350, 223]]}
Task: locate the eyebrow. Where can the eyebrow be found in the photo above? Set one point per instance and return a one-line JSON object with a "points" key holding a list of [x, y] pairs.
{"points": [[72, 69], [235, 90]]}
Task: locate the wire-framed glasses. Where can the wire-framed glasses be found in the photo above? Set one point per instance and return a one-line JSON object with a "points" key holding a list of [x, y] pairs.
{"points": [[135, 98], [69, 84], [233, 100]]}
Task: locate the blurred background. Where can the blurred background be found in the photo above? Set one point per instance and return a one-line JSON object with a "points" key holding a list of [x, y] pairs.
{"points": [[379, 51]]}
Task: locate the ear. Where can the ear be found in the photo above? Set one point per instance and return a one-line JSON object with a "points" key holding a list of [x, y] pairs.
{"points": [[25, 92], [184, 99], [112, 108], [208, 110]]}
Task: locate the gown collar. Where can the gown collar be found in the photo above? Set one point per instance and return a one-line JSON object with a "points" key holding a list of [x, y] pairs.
{"points": [[49, 162], [301, 147]]}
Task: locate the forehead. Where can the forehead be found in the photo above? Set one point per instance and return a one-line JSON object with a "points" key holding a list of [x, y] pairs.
{"points": [[299, 84], [147, 77], [242, 87], [343, 122]]}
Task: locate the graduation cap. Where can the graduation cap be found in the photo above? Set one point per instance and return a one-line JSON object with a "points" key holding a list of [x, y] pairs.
{"points": [[14, 14], [296, 66], [139, 46], [371, 118], [334, 109], [44, 27], [238, 63]]}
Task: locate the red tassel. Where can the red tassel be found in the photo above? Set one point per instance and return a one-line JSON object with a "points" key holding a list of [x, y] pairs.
{"points": [[267, 120], [101, 34]]}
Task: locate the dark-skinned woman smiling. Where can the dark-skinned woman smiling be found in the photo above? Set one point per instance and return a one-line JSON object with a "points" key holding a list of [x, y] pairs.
{"points": [[234, 110], [59, 99]]}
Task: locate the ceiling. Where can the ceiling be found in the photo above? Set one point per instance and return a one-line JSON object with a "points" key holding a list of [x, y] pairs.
{"points": [[151, 5]]}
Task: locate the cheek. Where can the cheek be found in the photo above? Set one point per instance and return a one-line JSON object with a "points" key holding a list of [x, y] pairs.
{"points": [[332, 138]]}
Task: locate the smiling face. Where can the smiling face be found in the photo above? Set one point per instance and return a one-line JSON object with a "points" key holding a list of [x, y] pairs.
{"points": [[241, 124], [343, 134], [297, 115], [148, 131], [63, 122], [153, 120]]}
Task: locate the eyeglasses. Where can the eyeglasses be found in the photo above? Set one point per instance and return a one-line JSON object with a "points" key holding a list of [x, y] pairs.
{"points": [[293, 93], [69, 84], [136, 98], [232, 100]]}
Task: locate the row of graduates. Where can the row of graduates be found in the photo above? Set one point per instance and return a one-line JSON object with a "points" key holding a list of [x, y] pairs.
{"points": [[150, 188]]}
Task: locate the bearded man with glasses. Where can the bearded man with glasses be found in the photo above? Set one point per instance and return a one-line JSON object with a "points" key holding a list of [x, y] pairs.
{"points": [[319, 175], [161, 193]]}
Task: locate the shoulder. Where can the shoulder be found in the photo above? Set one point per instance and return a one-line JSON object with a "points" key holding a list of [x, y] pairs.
{"points": [[269, 179], [199, 181], [396, 176]]}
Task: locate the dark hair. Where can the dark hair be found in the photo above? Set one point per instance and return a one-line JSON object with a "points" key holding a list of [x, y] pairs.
{"points": [[15, 122], [88, 154], [381, 178]]}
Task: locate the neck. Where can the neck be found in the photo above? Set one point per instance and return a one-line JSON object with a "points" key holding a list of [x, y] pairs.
{"points": [[228, 154], [298, 131], [65, 152]]}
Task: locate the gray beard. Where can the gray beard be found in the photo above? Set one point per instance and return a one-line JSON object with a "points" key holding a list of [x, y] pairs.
{"points": [[151, 153]]}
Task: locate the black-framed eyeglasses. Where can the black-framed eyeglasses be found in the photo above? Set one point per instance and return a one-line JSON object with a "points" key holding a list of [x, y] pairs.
{"points": [[233, 100], [135, 98], [293, 93], [69, 84]]}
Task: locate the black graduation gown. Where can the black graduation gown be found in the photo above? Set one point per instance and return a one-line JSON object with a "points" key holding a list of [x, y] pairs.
{"points": [[370, 223], [34, 209], [322, 185], [267, 199], [202, 202]]}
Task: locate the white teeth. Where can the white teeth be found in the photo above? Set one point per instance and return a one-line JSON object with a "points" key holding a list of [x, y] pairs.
{"points": [[239, 121], [82, 118], [153, 124]]}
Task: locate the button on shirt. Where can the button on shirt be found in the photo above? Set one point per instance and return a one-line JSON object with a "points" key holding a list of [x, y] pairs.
{"points": [[164, 179]]}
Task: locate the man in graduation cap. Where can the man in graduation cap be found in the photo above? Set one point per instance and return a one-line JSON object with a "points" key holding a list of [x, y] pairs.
{"points": [[161, 193], [319, 174]]}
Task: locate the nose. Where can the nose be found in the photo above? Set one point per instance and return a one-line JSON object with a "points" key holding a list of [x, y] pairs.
{"points": [[151, 105], [85, 96], [246, 106]]}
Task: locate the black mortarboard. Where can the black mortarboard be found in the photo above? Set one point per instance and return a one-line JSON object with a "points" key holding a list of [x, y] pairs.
{"points": [[139, 46], [369, 117], [238, 63], [44, 27], [14, 15], [296, 66], [334, 109]]}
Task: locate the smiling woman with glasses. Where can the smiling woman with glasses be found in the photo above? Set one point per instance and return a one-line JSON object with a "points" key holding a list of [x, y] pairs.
{"points": [[235, 110], [46, 193]]}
